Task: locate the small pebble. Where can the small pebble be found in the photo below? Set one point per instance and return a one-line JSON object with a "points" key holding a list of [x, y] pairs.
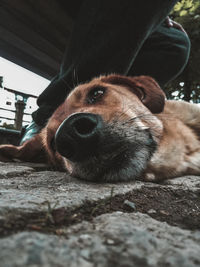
{"points": [[151, 211], [85, 237], [130, 204], [164, 212], [119, 212], [110, 241]]}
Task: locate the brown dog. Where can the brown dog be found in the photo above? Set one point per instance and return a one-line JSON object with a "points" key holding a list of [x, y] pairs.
{"points": [[118, 128]]}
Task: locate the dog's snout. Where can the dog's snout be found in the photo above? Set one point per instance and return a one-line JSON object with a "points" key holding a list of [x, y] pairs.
{"points": [[78, 136]]}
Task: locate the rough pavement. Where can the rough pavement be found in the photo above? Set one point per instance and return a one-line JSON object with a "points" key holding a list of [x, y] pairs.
{"points": [[31, 234]]}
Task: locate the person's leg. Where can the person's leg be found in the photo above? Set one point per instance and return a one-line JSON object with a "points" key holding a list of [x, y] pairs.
{"points": [[107, 38], [163, 56]]}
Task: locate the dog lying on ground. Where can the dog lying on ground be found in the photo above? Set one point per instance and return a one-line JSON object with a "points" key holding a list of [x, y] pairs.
{"points": [[118, 128]]}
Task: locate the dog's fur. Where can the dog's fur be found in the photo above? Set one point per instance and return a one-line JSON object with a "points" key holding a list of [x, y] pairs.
{"points": [[145, 136]]}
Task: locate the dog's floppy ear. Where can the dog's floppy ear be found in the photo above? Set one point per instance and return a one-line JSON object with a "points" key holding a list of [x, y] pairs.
{"points": [[32, 151], [145, 87]]}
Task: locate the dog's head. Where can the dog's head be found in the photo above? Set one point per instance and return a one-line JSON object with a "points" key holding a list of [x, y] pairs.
{"points": [[105, 130]]}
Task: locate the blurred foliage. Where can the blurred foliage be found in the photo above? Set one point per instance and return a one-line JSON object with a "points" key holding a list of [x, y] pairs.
{"points": [[187, 85]]}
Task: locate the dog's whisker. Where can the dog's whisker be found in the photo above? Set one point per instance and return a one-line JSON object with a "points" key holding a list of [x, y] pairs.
{"points": [[73, 78], [68, 86], [76, 76]]}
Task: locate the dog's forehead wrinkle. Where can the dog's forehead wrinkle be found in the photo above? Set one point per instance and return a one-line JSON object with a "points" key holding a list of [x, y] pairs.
{"points": [[77, 95]]}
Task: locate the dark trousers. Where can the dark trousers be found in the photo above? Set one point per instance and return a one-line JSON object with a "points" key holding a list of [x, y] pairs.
{"points": [[117, 36]]}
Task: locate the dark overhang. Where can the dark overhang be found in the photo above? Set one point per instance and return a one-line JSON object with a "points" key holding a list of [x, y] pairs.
{"points": [[35, 33]]}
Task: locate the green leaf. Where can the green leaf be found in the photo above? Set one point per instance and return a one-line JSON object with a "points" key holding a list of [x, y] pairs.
{"points": [[178, 6], [183, 13]]}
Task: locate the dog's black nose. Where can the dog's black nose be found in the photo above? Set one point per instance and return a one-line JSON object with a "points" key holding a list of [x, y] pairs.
{"points": [[78, 136]]}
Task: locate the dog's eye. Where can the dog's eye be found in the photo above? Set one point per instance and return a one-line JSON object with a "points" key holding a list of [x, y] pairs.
{"points": [[95, 94]]}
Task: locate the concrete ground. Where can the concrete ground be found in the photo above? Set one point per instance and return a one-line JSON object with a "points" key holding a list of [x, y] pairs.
{"points": [[48, 218]]}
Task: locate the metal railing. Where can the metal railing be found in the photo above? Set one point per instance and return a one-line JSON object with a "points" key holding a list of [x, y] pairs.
{"points": [[13, 111], [19, 108]]}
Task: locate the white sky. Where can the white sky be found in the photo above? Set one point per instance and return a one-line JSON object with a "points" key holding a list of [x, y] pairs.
{"points": [[20, 79]]}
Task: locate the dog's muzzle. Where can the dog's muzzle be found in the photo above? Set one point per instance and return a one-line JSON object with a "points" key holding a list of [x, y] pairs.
{"points": [[77, 137]]}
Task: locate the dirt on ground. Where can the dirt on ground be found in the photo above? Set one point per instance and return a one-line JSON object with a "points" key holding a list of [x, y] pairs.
{"points": [[178, 208]]}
